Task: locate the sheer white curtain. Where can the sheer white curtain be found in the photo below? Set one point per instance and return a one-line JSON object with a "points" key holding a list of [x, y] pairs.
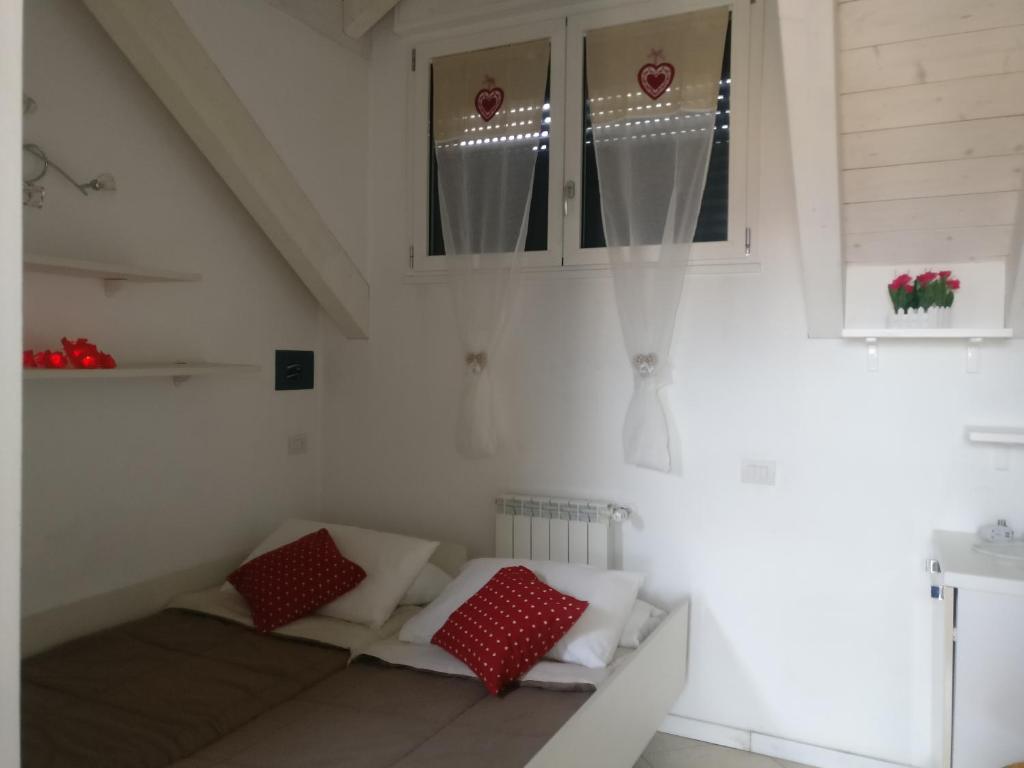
{"points": [[487, 123], [653, 88]]}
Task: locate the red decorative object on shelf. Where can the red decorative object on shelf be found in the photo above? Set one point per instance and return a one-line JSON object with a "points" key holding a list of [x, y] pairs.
{"points": [[45, 359], [84, 354], [80, 353]]}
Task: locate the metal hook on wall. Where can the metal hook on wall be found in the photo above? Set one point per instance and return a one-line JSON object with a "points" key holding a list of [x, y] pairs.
{"points": [[104, 182], [33, 194]]}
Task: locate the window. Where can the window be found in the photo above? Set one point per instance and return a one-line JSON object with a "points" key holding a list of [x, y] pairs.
{"points": [[713, 224], [565, 227], [537, 229]]}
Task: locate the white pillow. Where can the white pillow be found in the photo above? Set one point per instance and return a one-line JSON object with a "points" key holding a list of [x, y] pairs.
{"points": [[391, 562], [593, 638], [429, 583], [643, 619]]}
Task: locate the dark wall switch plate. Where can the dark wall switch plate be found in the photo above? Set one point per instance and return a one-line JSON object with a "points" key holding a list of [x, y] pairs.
{"points": [[293, 369]]}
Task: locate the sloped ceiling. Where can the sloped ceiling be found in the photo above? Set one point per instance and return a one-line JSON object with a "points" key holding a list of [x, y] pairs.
{"points": [[918, 107], [164, 51], [931, 129]]}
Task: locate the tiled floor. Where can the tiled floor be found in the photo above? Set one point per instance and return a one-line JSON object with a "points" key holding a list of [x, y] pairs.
{"points": [[667, 751]]}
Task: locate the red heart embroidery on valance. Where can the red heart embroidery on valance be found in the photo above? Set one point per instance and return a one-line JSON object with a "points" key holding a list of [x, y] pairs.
{"points": [[488, 102], [654, 79]]}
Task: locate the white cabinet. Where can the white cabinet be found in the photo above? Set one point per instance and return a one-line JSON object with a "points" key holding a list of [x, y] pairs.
{"points": [[982, 658], [988, 680]]}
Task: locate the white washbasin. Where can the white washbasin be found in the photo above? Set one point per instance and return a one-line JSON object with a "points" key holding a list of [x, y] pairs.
{"points": [[1013, 550]]}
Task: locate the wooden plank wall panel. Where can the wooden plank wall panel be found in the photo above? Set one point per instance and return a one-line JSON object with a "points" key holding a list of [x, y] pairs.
{"points": [[990, 210], [928, 143], [932, 60], [949, 177], [929, 245], [932, 128], [967, 99], [875, 22]]}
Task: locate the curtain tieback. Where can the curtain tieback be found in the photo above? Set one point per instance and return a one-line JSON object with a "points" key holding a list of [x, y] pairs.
{"points": [[476, 361], [646, 365]]}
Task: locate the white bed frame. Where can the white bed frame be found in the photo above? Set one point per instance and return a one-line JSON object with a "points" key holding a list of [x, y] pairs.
{"points": [[615, 724], [618, 720], [611, 728], [46, 629]]}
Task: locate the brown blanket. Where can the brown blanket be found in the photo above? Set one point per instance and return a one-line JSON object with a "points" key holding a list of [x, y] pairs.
{"points": [[145, 694], [177, 684], [376, 716]]}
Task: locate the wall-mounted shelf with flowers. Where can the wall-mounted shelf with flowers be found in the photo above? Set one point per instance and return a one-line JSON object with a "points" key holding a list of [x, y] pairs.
{"points": [[925, 301], [921, 301]]}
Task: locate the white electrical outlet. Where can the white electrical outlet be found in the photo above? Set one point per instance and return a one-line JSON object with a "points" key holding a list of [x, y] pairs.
{"points": [[298, 444], [757, 472]]}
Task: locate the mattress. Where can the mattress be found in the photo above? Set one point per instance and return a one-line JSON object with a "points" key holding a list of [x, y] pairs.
{"points": [[147, 693], [189, 690], [377, 716]]}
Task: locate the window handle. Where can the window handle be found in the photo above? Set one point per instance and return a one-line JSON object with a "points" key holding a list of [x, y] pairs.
{"points": [[568, 193]]}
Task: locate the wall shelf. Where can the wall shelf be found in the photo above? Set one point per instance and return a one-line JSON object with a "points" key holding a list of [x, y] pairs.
{"points": [[997, 435], [928, 333], [177, 372], [113, 275]]}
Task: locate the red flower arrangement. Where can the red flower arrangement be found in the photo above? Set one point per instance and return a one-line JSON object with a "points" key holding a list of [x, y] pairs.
{"points": [[929, 289], [80, 353]]}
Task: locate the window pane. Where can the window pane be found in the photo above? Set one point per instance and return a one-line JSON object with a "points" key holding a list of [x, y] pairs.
{"points": [[713, 224], [537, 229]]}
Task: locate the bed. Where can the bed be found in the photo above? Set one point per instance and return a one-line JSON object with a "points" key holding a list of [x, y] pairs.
{"points": [[193, 686]]}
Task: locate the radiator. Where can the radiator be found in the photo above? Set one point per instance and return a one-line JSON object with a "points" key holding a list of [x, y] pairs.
{"points": [[565, 530]]}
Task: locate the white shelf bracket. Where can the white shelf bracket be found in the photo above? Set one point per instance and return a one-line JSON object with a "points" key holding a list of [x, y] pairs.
{"points": [[872, 347], [113, 285], [1001, 458], [974, 355]]}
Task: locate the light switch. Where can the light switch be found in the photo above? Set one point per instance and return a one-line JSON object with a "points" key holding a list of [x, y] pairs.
{"points": [[293, 369], [757, 472]]}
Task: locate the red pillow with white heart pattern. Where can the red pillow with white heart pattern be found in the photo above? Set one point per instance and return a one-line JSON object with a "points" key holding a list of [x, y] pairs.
{"points": [[506, 627], [292, 581]]}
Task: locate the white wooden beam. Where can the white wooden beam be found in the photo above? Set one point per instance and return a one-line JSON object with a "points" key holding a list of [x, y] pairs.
{"points": [[326, 17], [174, 63], [1015, 275], [10, 381], [808, 35], [361, 15]]}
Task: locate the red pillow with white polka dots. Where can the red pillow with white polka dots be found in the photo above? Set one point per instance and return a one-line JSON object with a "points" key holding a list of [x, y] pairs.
{"points": [[292, 581], [506, 627]]}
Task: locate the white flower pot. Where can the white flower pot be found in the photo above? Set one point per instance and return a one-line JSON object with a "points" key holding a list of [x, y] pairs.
{"points": [[933, 317]]}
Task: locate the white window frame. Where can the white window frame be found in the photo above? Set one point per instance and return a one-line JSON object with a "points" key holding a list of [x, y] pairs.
{"points": [[554, 31], [566, 33], [733, 250]]}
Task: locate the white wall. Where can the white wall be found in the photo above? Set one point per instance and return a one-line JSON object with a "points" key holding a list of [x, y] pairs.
{"points": [[10, 376], [811, 619], [128, 480]]}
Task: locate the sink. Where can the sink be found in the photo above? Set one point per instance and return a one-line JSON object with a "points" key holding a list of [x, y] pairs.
{"points": [[1012, 551]]}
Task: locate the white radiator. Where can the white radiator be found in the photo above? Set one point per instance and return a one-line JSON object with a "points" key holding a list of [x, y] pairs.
{"points": [[566, 530]]}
